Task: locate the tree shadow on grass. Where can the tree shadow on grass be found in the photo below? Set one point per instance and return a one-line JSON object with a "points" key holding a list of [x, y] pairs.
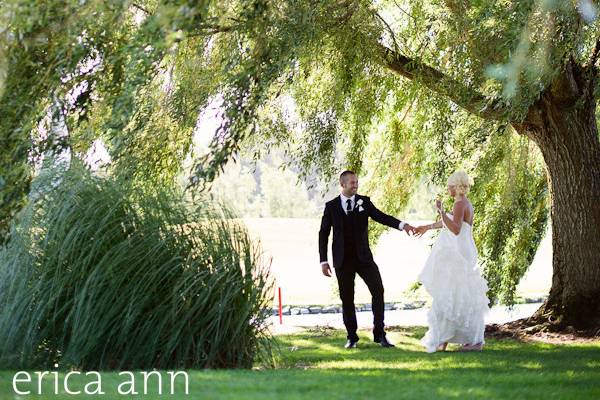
{"points": [[318, 351], [502, 372], [312, 363]]}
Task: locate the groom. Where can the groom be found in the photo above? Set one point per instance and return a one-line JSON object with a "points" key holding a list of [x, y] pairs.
{"points": [[349, 215]]}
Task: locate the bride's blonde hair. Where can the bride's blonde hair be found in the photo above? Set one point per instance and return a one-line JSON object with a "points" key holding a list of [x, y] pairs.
{"points": [[461, 181]]}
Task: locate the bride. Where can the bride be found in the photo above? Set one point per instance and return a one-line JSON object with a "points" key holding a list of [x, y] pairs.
{"points": [[452, 278]]}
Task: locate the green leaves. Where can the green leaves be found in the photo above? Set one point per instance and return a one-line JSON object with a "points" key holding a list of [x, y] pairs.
{"points": [[510, 198], [305, 75]]}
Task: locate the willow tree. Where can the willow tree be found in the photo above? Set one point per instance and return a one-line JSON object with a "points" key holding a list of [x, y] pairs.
{"points": [[397, 89]]}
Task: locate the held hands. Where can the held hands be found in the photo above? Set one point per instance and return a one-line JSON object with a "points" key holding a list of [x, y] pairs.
{"points": [[410, 230], [420, 230]]}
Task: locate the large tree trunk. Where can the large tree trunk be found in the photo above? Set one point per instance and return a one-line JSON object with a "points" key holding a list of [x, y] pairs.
{"points": [[563, 124]]}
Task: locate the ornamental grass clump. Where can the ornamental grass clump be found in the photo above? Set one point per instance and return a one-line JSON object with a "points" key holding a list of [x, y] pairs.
{"points": [[98, 274]]}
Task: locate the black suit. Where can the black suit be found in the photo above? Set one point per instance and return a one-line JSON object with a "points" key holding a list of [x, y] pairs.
{"points": [[352, 255]]}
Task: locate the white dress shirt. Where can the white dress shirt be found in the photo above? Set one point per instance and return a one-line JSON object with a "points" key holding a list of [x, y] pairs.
{"points": [[344, 200]]}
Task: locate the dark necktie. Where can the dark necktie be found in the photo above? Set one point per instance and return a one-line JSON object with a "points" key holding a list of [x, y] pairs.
{"points": [[348, 206]]}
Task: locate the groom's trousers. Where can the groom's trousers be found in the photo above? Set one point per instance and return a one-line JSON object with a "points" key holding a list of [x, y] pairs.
{"points": [[369, 272]]}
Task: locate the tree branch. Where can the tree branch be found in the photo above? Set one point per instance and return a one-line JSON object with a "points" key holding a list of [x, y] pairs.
{"points": [[464, 96], [141, 8], [594, 55], [389, 29], [212, 29]]}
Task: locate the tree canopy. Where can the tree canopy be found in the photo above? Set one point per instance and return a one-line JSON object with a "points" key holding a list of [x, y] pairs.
{"points": [[394, 89]]}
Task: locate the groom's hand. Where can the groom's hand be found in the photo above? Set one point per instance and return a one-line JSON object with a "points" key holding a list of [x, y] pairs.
{"points": [[409, 229], [326, 269]]}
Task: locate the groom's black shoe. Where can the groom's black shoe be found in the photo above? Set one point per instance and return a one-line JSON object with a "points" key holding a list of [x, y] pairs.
{"points": [[351, 344], [383, 342]]}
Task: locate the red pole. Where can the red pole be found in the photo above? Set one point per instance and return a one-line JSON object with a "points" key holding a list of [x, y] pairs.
{"points": [[280, 308]]}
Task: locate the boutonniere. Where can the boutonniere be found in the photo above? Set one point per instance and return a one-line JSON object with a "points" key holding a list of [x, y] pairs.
{"points": [[359, 204]]}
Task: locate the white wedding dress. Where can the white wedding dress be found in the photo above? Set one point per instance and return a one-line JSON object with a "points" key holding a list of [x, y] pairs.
{"points": [[452, 278]]}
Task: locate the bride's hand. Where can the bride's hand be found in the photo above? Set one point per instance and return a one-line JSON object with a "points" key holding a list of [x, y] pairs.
{"points": [[438, 205], [420, 230]]}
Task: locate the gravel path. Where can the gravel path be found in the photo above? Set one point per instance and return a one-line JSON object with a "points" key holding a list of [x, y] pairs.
{"points": [[296, 323]]}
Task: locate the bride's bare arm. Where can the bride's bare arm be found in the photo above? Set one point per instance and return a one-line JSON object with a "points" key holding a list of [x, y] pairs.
{"points": [[455, 223], [435, 225], [424, 228]]}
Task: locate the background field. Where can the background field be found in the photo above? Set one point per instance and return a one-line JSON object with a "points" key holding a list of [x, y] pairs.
{"points": [[291, 243]]}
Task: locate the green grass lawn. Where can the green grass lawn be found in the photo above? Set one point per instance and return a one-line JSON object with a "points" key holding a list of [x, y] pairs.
{"points": [[312, 365]]}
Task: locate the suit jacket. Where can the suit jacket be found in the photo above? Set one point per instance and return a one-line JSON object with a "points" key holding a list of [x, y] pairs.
{"points": [[333, 215]]}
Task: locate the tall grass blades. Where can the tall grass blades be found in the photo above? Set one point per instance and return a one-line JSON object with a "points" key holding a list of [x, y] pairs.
{"points": [[99, 275]]}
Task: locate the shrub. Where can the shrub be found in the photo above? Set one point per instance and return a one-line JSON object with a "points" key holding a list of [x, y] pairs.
{"points": [[100, 275]]}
